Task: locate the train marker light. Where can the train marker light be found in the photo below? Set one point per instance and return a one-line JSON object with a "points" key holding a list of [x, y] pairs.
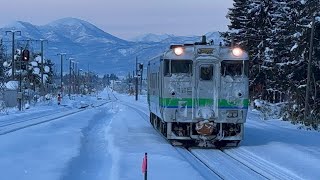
{"points": [[237, 52], [178, 51]]}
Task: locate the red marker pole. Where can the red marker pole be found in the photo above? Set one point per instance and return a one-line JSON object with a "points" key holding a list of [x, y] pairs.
{"points": [[145, 166]]}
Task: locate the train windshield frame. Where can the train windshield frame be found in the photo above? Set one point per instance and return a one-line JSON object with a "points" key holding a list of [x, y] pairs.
{"points": [[183, 66], [234, 68]]}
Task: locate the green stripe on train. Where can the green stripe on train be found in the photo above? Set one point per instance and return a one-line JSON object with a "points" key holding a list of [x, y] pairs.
{"points": [[226, 103], [202, 102], [175, 101]]}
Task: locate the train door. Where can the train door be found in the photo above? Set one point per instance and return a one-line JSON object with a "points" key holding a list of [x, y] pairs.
{"points": [[205, 94]]}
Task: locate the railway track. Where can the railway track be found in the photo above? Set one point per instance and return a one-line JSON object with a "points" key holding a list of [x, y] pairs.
{"points": [[241, 164], [9, 122], [7, 128], [259, 165], [37, 114], [224, 166], [205, 170]]}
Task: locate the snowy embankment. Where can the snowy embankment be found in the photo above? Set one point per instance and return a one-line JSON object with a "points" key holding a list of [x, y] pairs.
{"points": [[283, 145]]}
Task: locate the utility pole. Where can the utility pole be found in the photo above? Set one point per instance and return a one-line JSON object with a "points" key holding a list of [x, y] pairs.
{"points": [[20, 96], [13, 32], [73, 76], [61, 75], [42, 66], [306, 105], [70, 77], [136, 79], [79, 81], [74, 71], [88, 80], [141, 76]]}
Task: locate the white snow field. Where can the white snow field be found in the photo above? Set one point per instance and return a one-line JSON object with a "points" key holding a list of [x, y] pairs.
{"points": [[107, 140]]}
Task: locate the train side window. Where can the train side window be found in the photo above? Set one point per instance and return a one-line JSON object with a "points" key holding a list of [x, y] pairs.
{"points": [[153, 80], [206, 72]]}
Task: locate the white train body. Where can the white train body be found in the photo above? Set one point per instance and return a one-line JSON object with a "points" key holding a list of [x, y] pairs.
{"points": [[199, 93]]}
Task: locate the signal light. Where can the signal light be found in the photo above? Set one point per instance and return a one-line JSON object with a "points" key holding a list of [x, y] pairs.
{"points": [[237, 52], [178, 51], [140, 66], [25, 55]]}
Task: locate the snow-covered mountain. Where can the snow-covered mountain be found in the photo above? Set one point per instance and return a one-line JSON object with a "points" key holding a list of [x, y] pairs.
{"points": [[79, 31], [152, 37], [89, 45], [215, 36]]}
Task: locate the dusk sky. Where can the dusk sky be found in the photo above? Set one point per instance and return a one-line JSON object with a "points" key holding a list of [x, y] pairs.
{"points": [[125, 18]]}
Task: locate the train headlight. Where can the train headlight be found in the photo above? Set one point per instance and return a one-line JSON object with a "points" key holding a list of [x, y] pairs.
{"points": [[178, 51], [237, 52]]}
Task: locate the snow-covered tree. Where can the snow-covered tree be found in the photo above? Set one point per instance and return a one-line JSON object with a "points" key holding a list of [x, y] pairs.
{"points": [[250, 29], [2, 70], [276, 33], [239, 26], [34, 71]]}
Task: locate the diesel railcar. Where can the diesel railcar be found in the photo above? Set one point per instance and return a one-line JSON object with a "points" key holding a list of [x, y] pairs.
{"points": [[198, 94]]}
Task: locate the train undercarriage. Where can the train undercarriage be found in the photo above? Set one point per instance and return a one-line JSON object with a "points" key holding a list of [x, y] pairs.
{"points": [[201, 134]]}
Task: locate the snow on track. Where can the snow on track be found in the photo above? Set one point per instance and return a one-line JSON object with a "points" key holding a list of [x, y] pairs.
{"points": [[269, 170], [24, 124], [11, 127], [225, 166], [18, 116], [197, 164]]}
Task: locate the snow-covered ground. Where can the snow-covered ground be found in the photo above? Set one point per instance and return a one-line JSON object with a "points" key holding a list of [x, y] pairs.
{"points": [[109, 142]]}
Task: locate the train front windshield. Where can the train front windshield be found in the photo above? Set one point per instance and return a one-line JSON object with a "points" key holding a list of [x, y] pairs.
{"points": [[234, 68], [177, 67]]}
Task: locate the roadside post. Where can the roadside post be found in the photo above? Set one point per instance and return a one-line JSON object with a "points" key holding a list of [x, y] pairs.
{"points": [[145, 166]]}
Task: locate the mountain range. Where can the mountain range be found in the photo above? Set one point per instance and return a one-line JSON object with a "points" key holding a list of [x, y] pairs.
{"points": [[92, 47]]}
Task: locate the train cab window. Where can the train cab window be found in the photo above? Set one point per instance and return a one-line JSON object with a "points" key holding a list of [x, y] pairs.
{"points": [[206, 72], [234, 68], [177, 67], [181, 66]]}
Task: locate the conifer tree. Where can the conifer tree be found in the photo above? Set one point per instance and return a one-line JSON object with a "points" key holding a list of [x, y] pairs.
{"points": [[276, 33], [239, 19]]}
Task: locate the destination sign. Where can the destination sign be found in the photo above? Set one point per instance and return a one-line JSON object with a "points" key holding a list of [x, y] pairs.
{"points": [[205, 51]]}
